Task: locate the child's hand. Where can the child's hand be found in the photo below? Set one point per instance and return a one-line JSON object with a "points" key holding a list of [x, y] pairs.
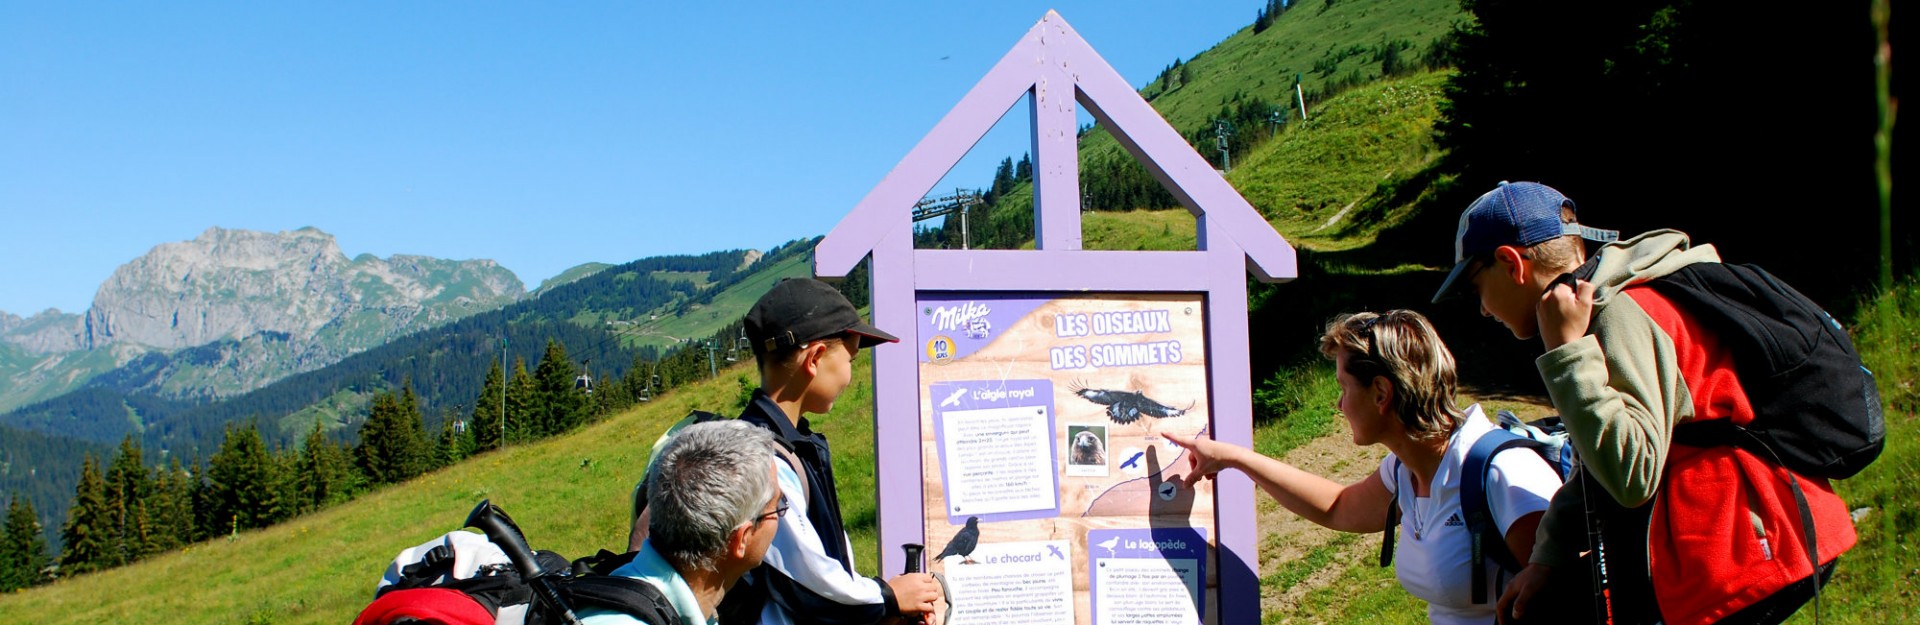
{"points": [[1513, 601], [915, 593], [1563, 313]]}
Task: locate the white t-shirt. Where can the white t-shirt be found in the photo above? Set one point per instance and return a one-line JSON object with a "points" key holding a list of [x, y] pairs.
{"points": [[1434, 553]]}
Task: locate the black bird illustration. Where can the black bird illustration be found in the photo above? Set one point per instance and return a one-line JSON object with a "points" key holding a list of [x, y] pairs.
{"points": [[963, 542], [1125, 407]]}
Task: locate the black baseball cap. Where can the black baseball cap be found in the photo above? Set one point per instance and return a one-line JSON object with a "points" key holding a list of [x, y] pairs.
{"points": [[797, 310]]}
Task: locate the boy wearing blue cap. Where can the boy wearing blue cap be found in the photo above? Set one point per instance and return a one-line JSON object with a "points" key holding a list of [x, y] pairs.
{"points": [[1689, 534]]}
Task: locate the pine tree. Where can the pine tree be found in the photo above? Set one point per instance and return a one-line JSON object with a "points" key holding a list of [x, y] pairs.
{"points": [[286, 459], [1002, 180], [521, 400], [85, 539], [23, 551], [171, 508], [392, 444], [410, 404], [322, 473], [416, 426], [559, 405], [244, 482], [128, 487], [487, 421], [205, 521]]}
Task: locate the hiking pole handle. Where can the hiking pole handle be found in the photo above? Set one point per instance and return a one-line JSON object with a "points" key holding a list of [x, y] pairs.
{"points": [[501, 530], [503, 533], [914, 552]]}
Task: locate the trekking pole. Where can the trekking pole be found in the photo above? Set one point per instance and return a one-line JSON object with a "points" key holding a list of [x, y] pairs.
{"points": [[1596, 536], [914, 551], [501, 530]]}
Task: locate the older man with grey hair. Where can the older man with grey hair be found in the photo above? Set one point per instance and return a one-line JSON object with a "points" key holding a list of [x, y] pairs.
{"points": [[714, 510]]}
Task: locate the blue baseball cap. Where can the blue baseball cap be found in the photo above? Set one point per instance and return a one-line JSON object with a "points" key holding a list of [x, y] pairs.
{"points": [[1521, 214]]}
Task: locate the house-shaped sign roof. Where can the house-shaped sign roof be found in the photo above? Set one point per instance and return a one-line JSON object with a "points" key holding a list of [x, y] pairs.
{"points": [[1059, 71], [1058, 68]]}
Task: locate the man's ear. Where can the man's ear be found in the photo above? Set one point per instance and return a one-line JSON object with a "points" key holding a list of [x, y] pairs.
{"points": [[1513, 261], [738, 542]]}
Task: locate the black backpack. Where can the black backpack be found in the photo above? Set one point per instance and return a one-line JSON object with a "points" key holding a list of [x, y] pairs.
{"points": [[508, 598], [1816, 409]]}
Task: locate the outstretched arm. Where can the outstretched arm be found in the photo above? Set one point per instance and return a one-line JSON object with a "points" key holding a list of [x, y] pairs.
{"points": [[1357, 507]]}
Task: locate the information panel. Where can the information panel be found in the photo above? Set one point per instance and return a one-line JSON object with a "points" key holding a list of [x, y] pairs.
{"points": [[1049, 488]]}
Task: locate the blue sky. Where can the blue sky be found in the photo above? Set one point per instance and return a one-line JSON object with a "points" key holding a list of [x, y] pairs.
{"points": [[540, 135]]}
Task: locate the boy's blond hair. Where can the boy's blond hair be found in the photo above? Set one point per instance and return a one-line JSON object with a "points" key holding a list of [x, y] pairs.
{"points": [[1560, 254]]}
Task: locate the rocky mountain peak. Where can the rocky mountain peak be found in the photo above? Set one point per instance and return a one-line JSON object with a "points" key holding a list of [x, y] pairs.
{"points": [[235, 283], [47, 332]]}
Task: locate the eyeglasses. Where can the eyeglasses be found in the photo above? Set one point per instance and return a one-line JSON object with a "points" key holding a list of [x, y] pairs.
{"points": [[778, 511], [1479, 265]]}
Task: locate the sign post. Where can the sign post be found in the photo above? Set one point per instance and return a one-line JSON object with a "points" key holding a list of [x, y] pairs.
{"points": [[1020, 424]]}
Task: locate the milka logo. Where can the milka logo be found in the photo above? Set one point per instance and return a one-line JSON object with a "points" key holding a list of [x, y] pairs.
{"points": [[957, 318]]}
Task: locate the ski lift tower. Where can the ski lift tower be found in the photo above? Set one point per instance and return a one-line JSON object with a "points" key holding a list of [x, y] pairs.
{"points": [[1222, 133], [961, 201]]}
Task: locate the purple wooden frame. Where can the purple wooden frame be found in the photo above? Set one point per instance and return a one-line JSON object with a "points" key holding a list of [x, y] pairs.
{"points": [[1058, 70]]}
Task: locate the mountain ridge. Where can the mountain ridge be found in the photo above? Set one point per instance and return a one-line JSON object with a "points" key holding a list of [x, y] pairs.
{"points": [[292, 298]]}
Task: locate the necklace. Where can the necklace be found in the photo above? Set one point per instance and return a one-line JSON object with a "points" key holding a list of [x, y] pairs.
{"points": [[1419, 520]]}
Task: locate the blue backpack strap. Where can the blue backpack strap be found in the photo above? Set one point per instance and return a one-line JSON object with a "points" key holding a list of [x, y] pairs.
{"points": [[1393, 518], [1487, 540]]}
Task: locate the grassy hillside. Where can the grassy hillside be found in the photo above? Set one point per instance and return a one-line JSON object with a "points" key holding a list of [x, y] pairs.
{"points": [[1329, 46], [1323, 42], [26, 377], [1363, 164], [1331, 181], [575, 272], [566, 493], [663, 329], [1877, 582]]}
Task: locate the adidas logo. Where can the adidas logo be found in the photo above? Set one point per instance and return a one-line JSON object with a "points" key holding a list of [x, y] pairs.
{"points": [[1454, 521]]}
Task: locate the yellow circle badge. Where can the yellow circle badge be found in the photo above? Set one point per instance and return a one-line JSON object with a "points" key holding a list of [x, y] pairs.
{"points": [[940, 350]]}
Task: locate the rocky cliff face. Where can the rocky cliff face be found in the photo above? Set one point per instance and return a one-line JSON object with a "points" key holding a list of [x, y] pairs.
{"points": [[49, 332], [234, 310], [237, 283]]}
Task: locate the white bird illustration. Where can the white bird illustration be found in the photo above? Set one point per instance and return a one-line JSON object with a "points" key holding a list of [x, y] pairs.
{"points": [[1108, 545], [954, 399]]}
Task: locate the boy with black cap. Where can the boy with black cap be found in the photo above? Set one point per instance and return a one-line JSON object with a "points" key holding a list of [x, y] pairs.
{"points": [[805, 335], [1692, 534]]}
